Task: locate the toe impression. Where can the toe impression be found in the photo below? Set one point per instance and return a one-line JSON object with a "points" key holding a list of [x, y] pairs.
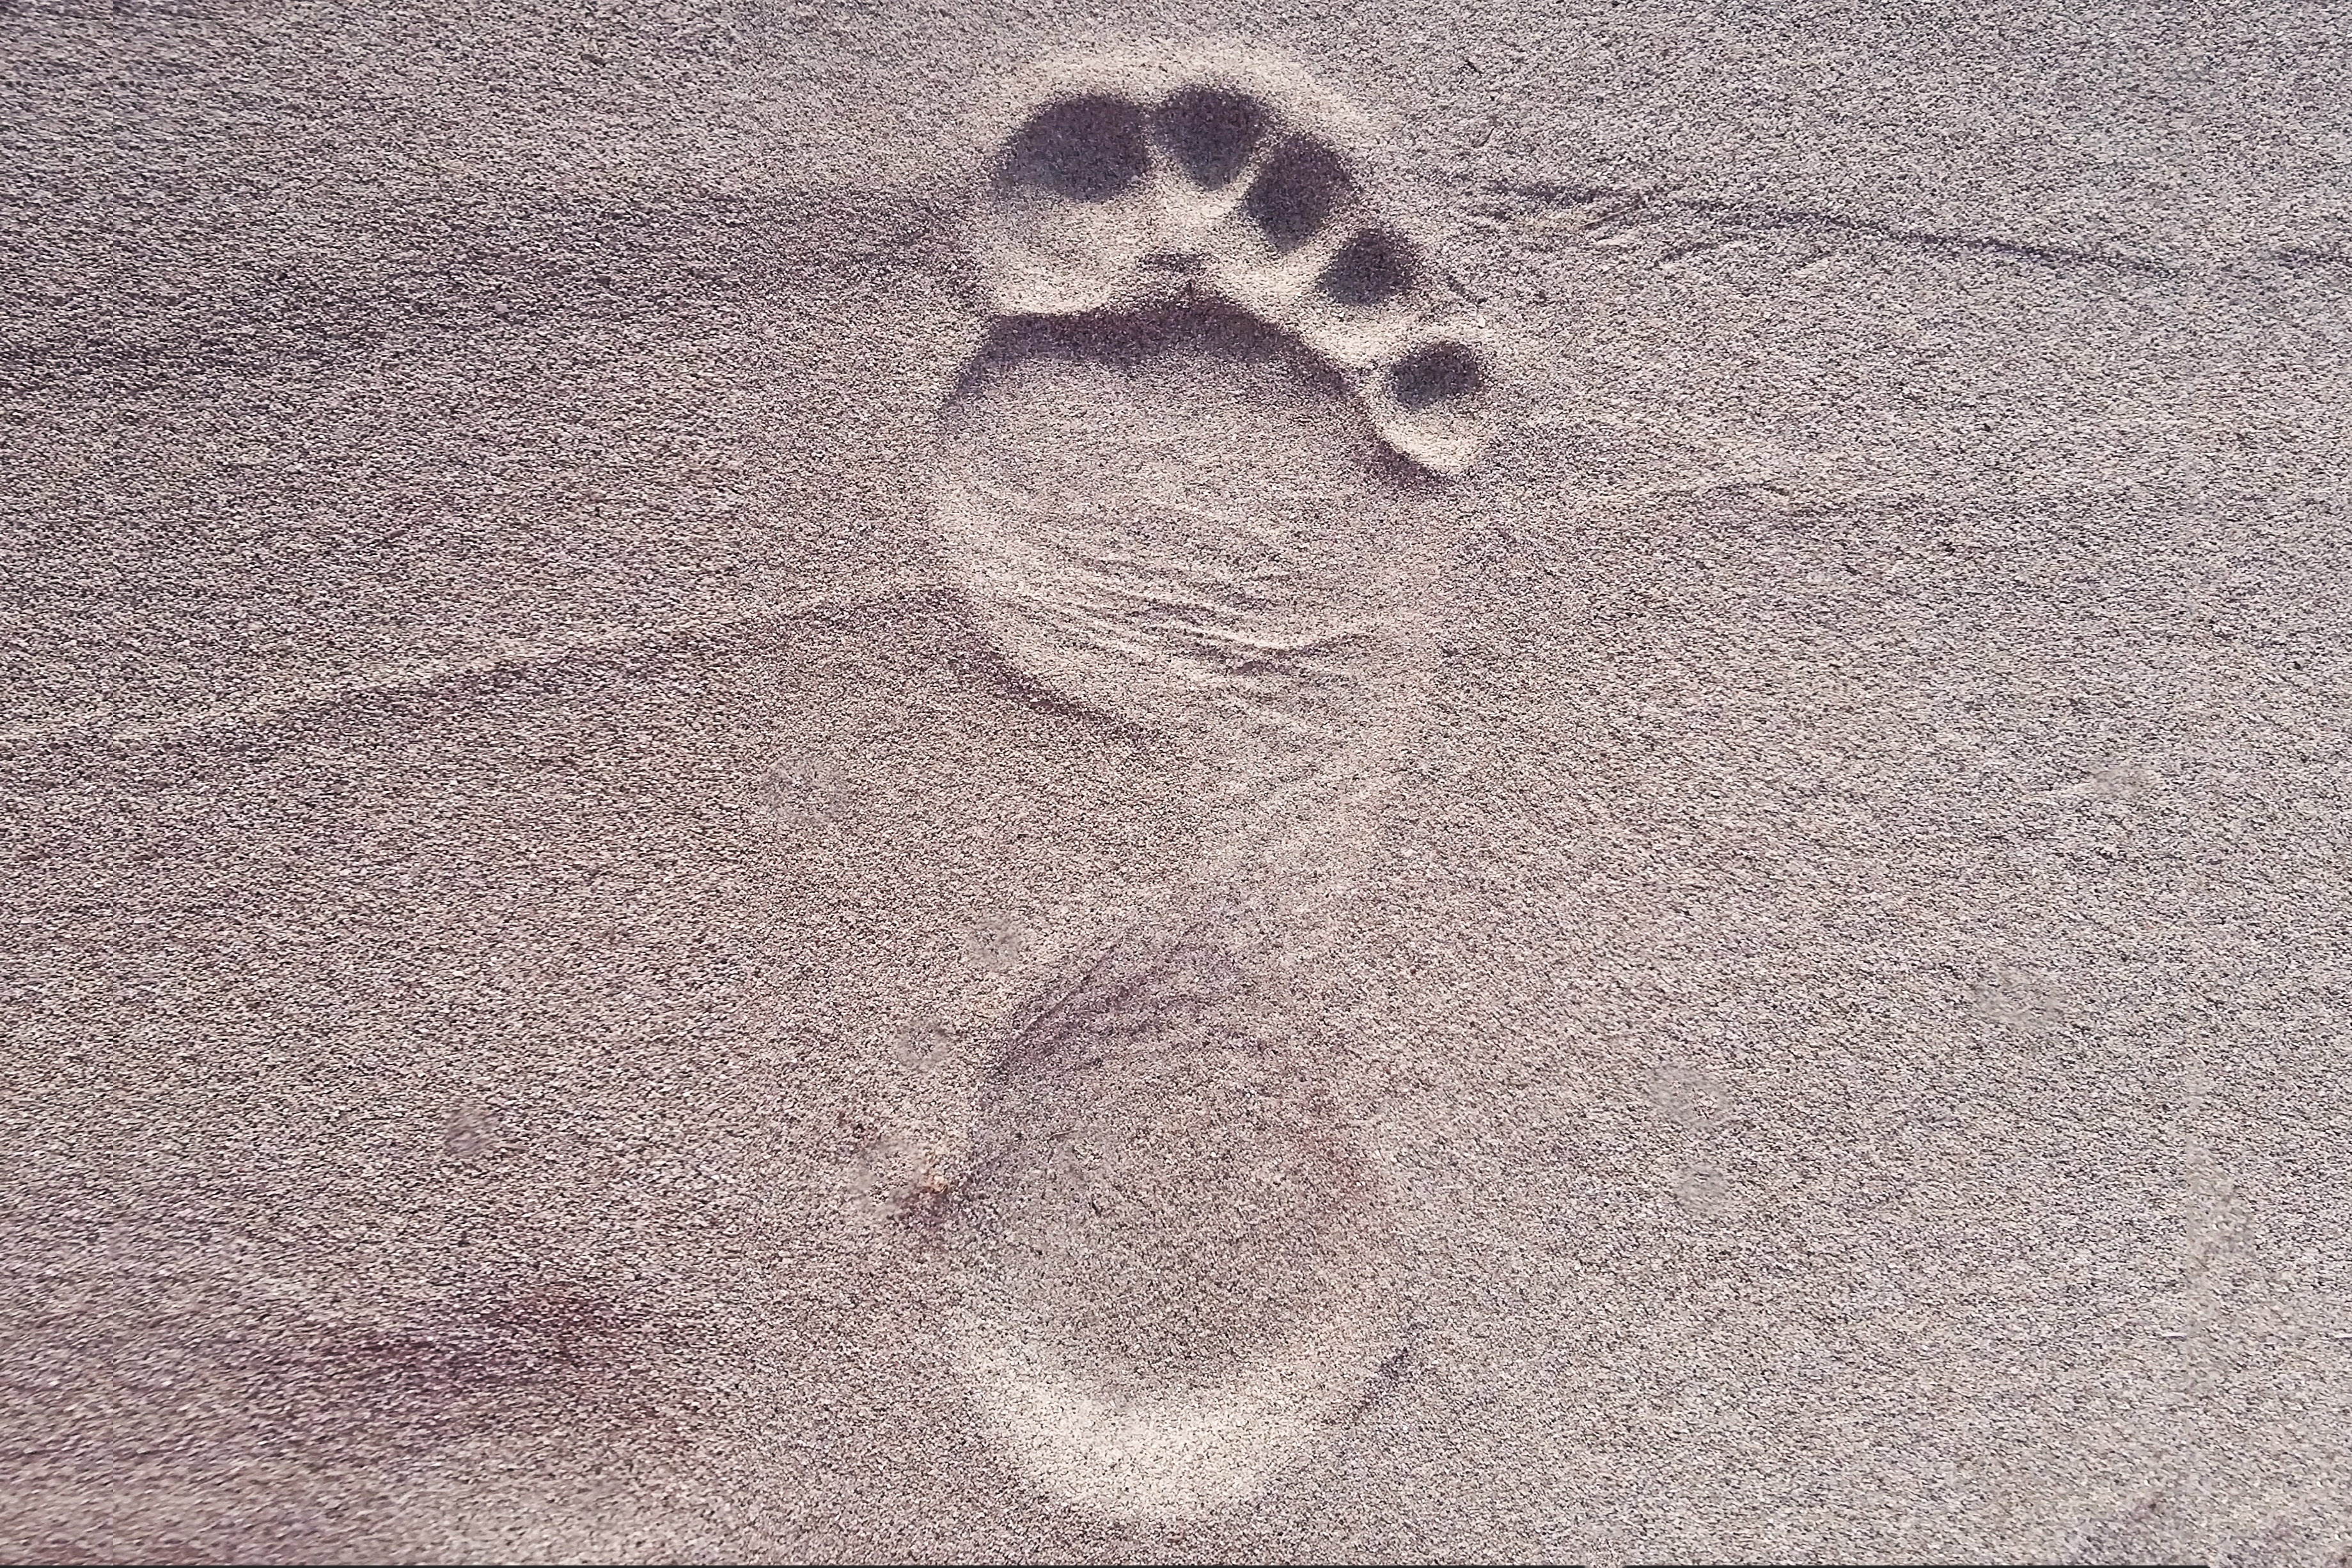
{"points": [[1122, 190]]}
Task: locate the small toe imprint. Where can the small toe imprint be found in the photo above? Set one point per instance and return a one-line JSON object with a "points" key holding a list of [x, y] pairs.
{"points": [[1209, 133], [1371, 269], [1431, 403], [1295, 195]]}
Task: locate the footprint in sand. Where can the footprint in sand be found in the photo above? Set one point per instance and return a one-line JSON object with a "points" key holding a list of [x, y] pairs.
{"points": [[1184, 485]]}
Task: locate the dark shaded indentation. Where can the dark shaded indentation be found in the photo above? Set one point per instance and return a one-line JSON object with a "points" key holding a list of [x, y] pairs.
{"points": [[536, 1340], [1439, 373], [1210, 132], [1294, 193], [1370, 270], [1129, 340], [1390, 1373], [499, 1360], [1084, 149]]}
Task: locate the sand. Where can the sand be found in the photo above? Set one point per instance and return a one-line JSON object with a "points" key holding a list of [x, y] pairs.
{"points": [[1175, 783]]}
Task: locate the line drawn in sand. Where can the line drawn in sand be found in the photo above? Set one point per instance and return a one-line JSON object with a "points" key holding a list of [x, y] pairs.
{"points": [[1184, 486]]}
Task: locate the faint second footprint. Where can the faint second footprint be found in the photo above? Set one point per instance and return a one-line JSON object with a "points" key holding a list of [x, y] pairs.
{"points": [[1187, 485]]}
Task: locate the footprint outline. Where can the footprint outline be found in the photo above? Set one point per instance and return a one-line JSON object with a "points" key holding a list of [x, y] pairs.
{"points": [[1157, 194]]}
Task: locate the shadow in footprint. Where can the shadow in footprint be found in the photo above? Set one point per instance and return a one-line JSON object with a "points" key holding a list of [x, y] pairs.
{"points": [[1371, 269], [1105, 201], [1209, 133], [1085, 149], [1295, 195], [1439, 374]]}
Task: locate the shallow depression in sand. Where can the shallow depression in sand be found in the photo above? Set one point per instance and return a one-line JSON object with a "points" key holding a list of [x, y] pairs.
{"points": [[1178, 520], [1159, 1223], [1186, 485]]}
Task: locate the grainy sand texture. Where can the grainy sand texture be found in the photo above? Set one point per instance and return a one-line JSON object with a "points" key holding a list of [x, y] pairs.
{"points": [[1211, 782]]}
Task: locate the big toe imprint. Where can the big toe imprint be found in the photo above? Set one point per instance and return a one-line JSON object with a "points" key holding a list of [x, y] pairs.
{"points": [[1184, 483]]}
